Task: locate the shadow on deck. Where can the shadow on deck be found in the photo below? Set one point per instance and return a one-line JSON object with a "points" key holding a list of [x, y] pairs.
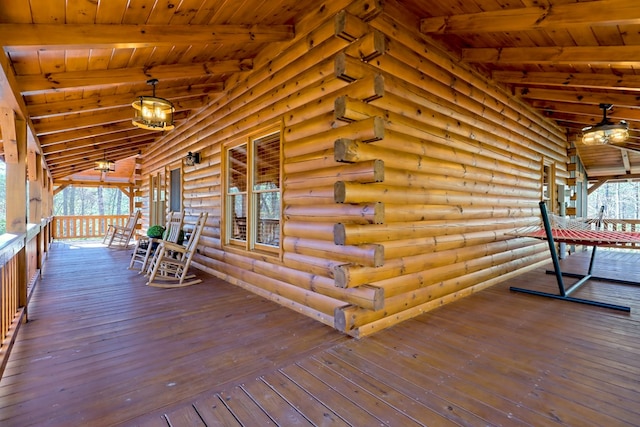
{"points": [[103, 349]]}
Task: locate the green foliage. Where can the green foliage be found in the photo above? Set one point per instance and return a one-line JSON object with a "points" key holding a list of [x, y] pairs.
{"points": [[90, 201], [155, 231]]}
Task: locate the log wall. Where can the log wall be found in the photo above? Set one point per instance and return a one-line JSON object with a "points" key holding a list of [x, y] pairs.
{"points": [[402, 172]]}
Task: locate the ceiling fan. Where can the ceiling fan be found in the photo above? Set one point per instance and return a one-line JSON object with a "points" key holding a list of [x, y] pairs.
{"points": [[608, 133]]}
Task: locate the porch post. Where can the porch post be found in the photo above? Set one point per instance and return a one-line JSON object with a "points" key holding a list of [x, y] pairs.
{"points": [[14, 132], [34, 175]]}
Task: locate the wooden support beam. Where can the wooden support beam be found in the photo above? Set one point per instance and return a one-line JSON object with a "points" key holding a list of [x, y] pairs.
{"points": [[348, 27], [107, 36], [368, 47], [180, 97], [16, 182], [567, 55], [582, 80], [562, 16], [9, 136], [53, 82]]}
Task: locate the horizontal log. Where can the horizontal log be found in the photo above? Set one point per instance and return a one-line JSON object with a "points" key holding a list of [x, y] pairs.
{"points": [[348, 27], [295, 284], [434, 276], [367, 255], [348, 320], [420, 212], [350, 192], [349, 110], [368, 47], [372, 213], [316, 160], [310, 264], [357, 234], [407, 248], [408, 118], [375, 326], [299, 141], [478, 87], [430, 94], [371, 171], [275, 290], [309, 230], [350, 69], [506, 173], [309, 196], [405, 152], [437, 179], [366, 9]]}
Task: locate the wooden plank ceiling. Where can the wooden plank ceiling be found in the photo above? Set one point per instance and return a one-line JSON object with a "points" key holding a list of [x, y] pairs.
{"points": [[78, 64]]}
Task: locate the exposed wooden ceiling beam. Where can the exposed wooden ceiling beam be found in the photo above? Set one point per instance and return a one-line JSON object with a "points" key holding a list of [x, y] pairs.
{"points": [[52, 82], [86, 183], [594, 98], [114, 153], [568, 55], [608, 12], [92, 36], [550, 108], [83, 165], [583, 80], [95, 103], [90, 142], [112, 115], [76, 134], [74, 153]]}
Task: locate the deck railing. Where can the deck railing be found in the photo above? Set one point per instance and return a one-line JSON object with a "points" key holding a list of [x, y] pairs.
{"points": [[628, 225], [84, 226], [21, 258]]}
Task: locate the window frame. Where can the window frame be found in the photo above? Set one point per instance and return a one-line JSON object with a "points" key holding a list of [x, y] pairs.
{"points": [[251, 195]]}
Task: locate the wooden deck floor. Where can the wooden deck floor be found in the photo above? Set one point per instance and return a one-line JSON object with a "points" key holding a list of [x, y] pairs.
{"points": [[102, 349]]}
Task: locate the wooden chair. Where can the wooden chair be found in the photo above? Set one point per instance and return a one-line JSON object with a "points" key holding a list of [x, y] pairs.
{"points": [[118, 236], [170, 262], [146, 245]]}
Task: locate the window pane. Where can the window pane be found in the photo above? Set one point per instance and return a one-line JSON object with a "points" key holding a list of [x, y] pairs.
{"points": [[266, 162], [239, 220], [238, 168], [268, 218]]}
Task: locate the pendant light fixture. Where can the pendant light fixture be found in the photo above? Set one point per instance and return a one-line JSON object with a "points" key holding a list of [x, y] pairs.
{"points": [[605, 131], [153, 113], [105, 165]]}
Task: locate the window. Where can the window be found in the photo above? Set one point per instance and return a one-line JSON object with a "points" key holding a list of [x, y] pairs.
{"points": [[175, 190], [253, 193], [157, 200]]}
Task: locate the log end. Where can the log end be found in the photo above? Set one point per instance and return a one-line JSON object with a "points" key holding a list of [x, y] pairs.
{"points": [[345, 150], [339, 234]]}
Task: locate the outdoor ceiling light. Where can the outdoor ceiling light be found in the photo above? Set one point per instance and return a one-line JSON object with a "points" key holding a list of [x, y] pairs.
{"points": [[153, 113], [605, 131], [105, 166], [192, 159]]}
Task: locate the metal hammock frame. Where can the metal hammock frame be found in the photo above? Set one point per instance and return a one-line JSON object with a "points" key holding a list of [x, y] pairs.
{"points": [[580, 236]]}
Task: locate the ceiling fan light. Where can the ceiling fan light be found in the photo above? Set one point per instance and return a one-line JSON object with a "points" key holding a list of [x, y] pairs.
{"points": [[605, 131]]}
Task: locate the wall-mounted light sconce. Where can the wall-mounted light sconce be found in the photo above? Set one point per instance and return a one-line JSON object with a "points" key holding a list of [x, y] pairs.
{"points": [[192, 159]]}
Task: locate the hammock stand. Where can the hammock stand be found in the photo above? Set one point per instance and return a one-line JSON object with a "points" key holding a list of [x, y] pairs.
{"points": [[574, 238]]}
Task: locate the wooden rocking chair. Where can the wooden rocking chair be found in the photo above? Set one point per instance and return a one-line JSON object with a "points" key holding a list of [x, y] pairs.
{"points": [[118, 236], [170, 262], [146, 245]]}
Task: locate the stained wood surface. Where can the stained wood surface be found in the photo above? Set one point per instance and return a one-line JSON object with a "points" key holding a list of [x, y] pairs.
{"points": [[103, 349]]}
